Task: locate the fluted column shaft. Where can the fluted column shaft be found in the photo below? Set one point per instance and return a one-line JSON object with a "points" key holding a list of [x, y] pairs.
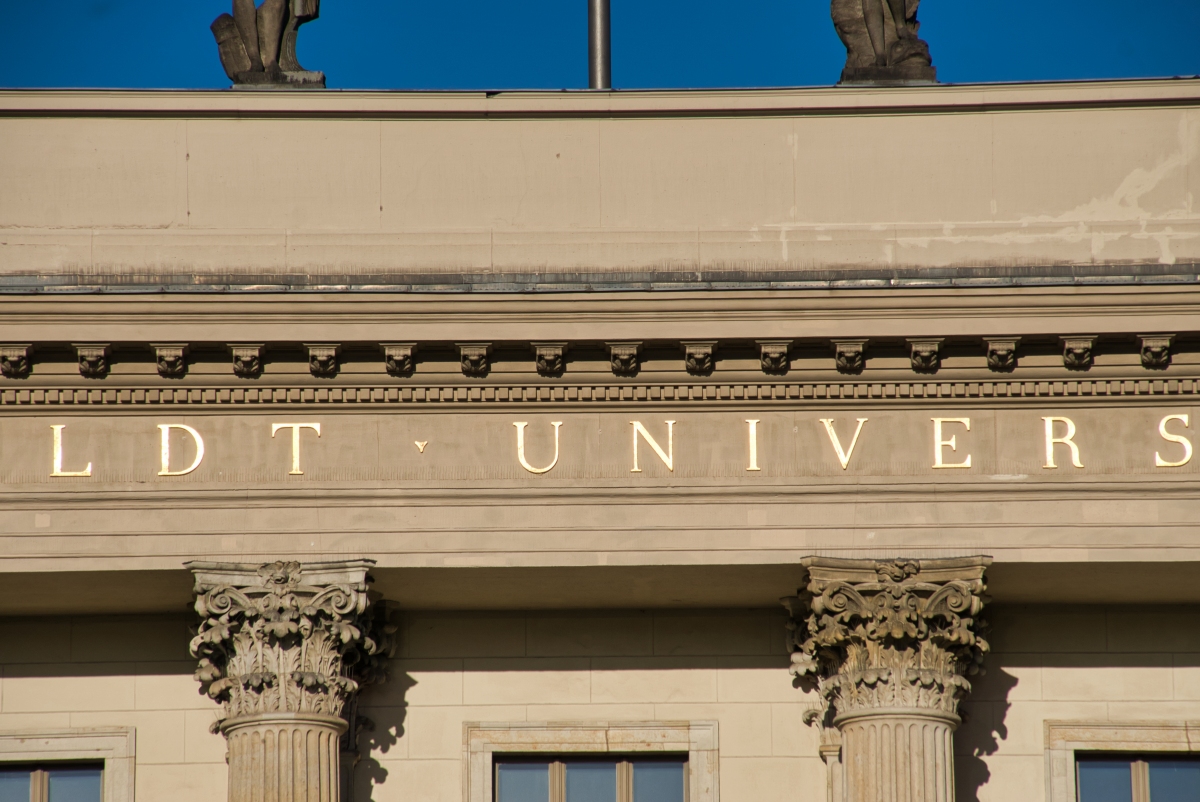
{"points": [[284, 758], [898, 757]]}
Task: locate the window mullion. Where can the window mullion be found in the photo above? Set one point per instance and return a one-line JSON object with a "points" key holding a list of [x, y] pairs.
{"points": [[1140, 772], [39, 786], [558, 781], [624, 781]]}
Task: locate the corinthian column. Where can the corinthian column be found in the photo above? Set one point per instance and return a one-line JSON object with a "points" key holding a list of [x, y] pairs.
{"points": [[286, 647], [889, 646]]}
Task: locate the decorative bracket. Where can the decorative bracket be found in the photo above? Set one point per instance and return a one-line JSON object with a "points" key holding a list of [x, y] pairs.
{"points": [[699, 356], [925, 354], [850, 356], [93, 359], [171, 359], [625, 358], [323, 359], [1156, 350], [551, 358], [247, 360], [15, 362], [474, 358], [400, 358], [1002, 353], [1077, 352], [775, 356]]}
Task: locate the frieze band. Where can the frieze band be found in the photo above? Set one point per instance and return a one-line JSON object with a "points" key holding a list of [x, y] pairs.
{"points": [[949, 451]]}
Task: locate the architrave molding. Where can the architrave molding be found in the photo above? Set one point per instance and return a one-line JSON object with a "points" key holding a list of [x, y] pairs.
{"points": [[698, 739], [116, 746], [1065, 738]]}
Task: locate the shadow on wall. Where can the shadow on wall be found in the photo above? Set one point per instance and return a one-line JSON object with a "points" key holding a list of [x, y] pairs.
{"points": [[982, 731], [382, 729]]}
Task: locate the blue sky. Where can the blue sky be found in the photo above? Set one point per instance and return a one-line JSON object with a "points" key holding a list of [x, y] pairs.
{"points": [[472, 44]]}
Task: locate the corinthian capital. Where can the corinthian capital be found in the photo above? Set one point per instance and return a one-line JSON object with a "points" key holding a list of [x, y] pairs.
{"points": [[886, 636], [286, 637]]}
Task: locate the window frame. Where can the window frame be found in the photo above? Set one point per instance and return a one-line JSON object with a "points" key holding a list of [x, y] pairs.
{"points": [[558, 769], [483, 741], [113, 747], [1064, 739]]}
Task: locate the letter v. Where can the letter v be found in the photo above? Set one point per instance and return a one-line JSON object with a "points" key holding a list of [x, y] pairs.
{"points": [[843, 456]]}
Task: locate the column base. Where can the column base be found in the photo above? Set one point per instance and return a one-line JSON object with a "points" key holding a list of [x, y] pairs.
{"points": [[284, 757]]}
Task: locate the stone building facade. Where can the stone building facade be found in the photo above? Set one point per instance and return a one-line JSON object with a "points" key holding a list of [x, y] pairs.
{"points": [[769, 445]]}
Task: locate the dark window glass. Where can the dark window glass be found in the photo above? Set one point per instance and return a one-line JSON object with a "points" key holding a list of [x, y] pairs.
{"points": [[1174, 780], [522, 782], [73, 784], [591, 782], [14, 785], [658, 782], [1105, 781]]}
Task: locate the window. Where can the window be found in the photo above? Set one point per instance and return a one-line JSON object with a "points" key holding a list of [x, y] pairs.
{"points": [[1138, 778], [578, 778], [63, 782]]}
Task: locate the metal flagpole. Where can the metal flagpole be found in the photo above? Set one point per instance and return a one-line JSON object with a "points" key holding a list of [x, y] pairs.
{"points": [[599, 45]]}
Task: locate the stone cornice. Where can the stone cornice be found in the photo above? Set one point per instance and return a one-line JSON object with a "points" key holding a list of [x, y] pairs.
{"points": [[659, 102]]}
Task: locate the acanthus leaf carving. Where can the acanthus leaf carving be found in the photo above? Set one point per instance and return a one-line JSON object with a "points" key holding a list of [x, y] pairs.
{"points": [[170, 359], [850, 355], [1002, 353], [400, 358], [699, 356], [247, 360], [474, 358], [925, 354], [775, 356], [15, 361], [323, 359], [287, 638], [1078, 352], [624, 358], [93, 359], [887, 635], [550, 358], [1156, 350]]}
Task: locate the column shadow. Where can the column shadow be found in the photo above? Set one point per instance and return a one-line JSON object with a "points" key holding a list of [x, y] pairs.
{"points": [[982, 730], [382, 729]]}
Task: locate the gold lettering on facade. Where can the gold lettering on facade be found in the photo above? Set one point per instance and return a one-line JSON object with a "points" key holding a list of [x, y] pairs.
{"points": [[668, 457], [521, 447], [940, 443], [1065, 440], [166, 428], [295, 427], [1159, 462], [420, 444], [753, 466], [58, 455], [843, 456]]}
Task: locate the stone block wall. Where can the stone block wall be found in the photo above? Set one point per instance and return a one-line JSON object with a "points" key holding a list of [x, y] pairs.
{"points": [[1056, 663], [1048, 663], [120, 671]]}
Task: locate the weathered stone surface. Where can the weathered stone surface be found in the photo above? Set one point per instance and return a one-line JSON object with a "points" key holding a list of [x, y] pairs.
{"points": [[881, 42], [286, 647], [258, 46], [889, 646]]}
